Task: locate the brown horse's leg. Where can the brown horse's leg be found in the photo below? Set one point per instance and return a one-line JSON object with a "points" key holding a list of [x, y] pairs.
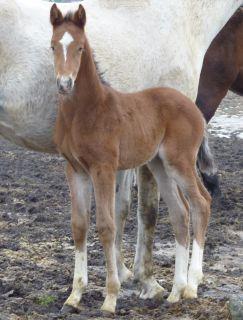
{"points": [[123, 196], [80, 188], [237, 85], [104, 183], [179, 216], [211, 93], [147, 214], [200, 217]]}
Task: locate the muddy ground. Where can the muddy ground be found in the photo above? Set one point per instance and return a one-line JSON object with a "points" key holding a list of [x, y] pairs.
{"points": [[36, 247]]}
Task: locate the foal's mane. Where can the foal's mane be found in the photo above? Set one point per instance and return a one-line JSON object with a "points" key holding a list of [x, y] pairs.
{"points": [[69, 17], [100, 73]]}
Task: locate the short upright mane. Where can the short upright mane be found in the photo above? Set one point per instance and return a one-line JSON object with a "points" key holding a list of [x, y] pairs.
{"points": [[69, 17], [100, 73], [78, 17]]}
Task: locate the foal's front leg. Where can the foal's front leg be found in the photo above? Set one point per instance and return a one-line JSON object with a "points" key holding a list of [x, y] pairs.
{"points": [[80, 189], [103, 177]]}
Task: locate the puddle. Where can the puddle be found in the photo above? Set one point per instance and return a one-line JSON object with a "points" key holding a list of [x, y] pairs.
{"points": [[228, 119]]}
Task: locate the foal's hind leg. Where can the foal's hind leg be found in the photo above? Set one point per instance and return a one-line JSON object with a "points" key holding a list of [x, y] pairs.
{"points": [[80, 188], [179, 216], [123, 195], [200, 218], [183, 171], [147, 214]]}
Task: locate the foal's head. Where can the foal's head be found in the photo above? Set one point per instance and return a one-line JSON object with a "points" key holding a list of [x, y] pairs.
{"points": [[67, 43]]}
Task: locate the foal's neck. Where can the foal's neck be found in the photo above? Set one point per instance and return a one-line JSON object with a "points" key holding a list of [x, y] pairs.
{"points": [[88, 89]]}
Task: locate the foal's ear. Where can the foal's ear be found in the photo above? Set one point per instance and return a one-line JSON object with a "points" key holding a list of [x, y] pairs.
{"points": [[56, 16], [80, 17]]}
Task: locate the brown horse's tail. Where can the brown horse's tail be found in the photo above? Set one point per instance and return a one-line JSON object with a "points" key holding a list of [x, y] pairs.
{"points": [[207, 168]]}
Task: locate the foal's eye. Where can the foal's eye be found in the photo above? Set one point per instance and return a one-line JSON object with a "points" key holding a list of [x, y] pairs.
{"points": [[80, 49], [52, 48]]}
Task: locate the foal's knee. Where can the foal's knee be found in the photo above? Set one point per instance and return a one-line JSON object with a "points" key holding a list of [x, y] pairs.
{"points": [[208, 198], [205, 207], [79, 230], [122, 209], [201, 218], [180, 223], [204, 192], [106, 231]]}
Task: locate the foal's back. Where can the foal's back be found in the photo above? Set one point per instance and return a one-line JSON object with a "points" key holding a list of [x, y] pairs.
{"points": [[151, 117]]}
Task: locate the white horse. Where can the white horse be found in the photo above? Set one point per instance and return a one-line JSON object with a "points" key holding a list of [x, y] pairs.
{"points": [[153, 43]]}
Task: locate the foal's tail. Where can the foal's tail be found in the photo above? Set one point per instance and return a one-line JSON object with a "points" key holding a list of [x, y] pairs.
{"points": [[205, 158], [207, 168]]}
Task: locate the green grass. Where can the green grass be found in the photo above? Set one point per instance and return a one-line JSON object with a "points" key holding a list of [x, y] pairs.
{"points": [[45, 300]]}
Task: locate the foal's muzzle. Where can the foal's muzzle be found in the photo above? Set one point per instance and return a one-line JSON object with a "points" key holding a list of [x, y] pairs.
{"points": [[65, 84]]}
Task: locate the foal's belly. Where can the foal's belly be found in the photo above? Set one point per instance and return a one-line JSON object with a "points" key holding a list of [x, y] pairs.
{"points": [[139, 149]]}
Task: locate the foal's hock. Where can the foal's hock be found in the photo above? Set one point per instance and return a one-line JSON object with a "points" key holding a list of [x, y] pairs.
{"points": [[100, 130]]}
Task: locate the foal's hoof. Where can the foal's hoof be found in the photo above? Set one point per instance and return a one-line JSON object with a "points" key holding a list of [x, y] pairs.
{"points": [[173, 298], [125, 274], [151, 289], [109, 304], [67, 309], [190, 293]]}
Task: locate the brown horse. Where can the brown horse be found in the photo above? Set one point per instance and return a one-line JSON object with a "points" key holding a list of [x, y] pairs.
{"points": [[100, 131], [222, 67]]}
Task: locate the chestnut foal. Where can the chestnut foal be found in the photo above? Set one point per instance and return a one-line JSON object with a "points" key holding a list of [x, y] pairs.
{"points": [[100, 131]]}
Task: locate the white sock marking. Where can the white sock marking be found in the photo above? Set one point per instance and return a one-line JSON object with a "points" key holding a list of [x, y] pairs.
{"points": [[181, 265], [181, 268], [80, 279], [80, 270], [195, 270]]}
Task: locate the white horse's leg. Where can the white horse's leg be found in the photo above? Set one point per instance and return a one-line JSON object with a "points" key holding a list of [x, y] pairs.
{"points": [[147, 214], [124, 181], [80, 188], [179, 216], [200, 217]]}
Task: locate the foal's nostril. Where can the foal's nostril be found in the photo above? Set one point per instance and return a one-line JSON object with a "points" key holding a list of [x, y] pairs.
{"points": [[64, 84], [69, 83], [58, 82], [61, 88]]}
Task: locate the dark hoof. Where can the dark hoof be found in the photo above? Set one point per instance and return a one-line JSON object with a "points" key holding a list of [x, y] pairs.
{"points": [[211, 182], [107, 315], [66, 309]]}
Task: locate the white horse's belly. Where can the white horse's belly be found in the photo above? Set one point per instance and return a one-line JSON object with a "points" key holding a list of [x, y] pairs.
{"points": [[138, 48], [28, 98]]}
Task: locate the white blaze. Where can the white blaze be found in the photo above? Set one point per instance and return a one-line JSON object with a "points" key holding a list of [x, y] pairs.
{"points": [[65, 42]]}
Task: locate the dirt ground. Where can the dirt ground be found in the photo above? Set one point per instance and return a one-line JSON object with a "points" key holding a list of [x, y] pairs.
{"points": [[36, 247]]}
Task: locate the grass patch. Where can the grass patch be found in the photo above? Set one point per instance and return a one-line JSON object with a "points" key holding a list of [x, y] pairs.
{"points": [[45, 300]]}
